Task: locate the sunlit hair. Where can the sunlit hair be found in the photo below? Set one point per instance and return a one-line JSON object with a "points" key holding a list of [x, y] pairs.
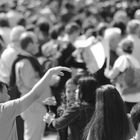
{"points": [[132, 26], [110, 121], [70, 81]]}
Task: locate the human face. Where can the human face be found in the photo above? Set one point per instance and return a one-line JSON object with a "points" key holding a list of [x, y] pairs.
{"points": [[70, 92], [4, 96]]}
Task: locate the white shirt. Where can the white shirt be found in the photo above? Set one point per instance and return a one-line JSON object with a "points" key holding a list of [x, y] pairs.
{"points": [[7, 58], [121, 64]]}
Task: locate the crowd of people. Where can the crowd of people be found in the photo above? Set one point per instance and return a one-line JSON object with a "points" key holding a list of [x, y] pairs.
{"points": [[63, 66]]}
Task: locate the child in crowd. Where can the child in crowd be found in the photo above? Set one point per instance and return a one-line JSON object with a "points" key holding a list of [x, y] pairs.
{"points": [[11, 109], [69, 98], [78, 114]]}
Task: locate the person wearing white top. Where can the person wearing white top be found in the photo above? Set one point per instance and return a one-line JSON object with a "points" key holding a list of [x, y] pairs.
{"points": [[11, 109], [133, 30], [10, 53], [120, 65]]}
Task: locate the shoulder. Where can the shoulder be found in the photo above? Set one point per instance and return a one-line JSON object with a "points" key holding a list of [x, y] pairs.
{"points": [[11, 108], [121, 61], [23, 63]]}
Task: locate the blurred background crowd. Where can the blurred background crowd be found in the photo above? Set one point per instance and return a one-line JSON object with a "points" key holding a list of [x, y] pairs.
{"points": [[84, 35]]}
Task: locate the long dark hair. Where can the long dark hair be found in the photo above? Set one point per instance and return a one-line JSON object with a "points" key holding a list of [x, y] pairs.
{"points": [[87, 87], [110, 121]]}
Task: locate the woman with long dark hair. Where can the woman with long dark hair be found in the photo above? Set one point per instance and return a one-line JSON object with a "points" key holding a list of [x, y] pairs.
{"points": [[79, 114], [110, 121]]}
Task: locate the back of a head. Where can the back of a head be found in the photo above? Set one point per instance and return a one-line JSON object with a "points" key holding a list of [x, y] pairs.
{"points": [[101, 28], [132, 26], [135, 116], [110, 115], [87, 86], [43, 25], [127, 45], [16, 33], [25, 39], [54, 33], [4, 20], [121, 25], [120, 15], [72, 28]]}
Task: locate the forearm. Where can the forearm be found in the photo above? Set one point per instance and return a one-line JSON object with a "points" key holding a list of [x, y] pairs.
{"points": [[41, 86]]}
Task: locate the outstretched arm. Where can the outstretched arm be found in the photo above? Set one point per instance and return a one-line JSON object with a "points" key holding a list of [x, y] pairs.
{"points": [[40, 86]]}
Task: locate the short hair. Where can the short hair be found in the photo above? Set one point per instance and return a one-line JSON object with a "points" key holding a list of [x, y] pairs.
{"points": [[25, 39], [127, 45], [43, 25], [135, 115], [4, 20], [54, 33], [121, 25], [132, 26], [72, 28]]}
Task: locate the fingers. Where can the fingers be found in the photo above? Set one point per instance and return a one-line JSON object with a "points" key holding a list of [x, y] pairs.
{"points": [[64, 69]]}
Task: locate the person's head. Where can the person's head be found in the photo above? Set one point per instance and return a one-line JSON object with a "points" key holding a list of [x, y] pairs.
{"points": [[113, 37], [4, 20], [121, 25], [73, 30], [101, 28], [87, 86], [126, 45], [135, 116], [43, 26], [137, 14], [133, 27], [16, 33], [54, 33], [70, 89], [4, 96], [29, 42], [120, 15], [109, 121]]}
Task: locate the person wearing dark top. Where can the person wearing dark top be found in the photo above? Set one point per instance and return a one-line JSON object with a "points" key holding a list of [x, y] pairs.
{"points": [[77, 115], [67, 59]]}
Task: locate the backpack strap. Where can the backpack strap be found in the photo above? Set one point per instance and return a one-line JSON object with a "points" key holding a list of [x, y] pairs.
{"points": [[35, 64]]}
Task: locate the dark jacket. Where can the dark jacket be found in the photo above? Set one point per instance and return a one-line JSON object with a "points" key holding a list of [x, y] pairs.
{"points": [[76, 117]]}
